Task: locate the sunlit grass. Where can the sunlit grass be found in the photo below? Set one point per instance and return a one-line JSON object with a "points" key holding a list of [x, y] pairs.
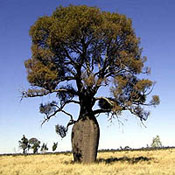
{"points": [[157, 162]]}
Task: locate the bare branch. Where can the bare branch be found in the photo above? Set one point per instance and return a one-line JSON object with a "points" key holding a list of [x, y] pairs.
{"points": [[99, 111], [143, 104], [71, 117], [60, 109], [68, 78], [71, 122], [50, 116]]}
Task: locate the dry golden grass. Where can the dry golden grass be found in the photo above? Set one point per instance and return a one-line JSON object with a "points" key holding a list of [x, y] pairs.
{"points": [[160, 162]]}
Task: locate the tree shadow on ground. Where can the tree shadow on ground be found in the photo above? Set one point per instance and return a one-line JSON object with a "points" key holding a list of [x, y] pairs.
{"points": [[131, 160]]}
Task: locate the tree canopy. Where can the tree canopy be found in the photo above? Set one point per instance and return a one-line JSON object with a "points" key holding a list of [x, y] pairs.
{"points": [[156, 143], [78, 50], [34, 144], [54, 146], [24, 144]]}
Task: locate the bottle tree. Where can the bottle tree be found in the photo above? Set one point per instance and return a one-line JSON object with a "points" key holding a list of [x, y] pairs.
{"points": [[77, 51]]}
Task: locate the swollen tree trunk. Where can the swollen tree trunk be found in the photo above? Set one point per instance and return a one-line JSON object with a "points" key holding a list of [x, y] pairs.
{"points": [[85, 139]]}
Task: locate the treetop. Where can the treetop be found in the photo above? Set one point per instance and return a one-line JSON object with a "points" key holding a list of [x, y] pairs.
{"points": [[79, 49]]}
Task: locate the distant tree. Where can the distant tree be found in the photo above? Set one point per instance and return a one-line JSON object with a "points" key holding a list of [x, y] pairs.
{"points": [[77, 51], [34, 144], [44, 147], [54, 147], [24, 144], [127, 148], [156, 143]]}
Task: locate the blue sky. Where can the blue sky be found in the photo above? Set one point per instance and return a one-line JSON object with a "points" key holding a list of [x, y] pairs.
{"points": [[154, 24]]}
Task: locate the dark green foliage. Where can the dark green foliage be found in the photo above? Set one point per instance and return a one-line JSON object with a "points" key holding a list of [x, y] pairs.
{"points": [[24, 144], [34, 144], [48, 108], [54, 147], [61, 130], [44, 147], [103, 104]]}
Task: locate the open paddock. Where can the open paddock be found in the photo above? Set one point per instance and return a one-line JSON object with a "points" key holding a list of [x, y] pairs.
{"points": [[148, 162]]}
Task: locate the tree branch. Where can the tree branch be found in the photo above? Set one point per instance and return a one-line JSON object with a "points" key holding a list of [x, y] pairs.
{"points": [[108, 100], [70, 58], [41, 92], [60, 109], [99, 111]]}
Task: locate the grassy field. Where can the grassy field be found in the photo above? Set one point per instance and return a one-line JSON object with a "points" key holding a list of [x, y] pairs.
{"points": [[157, 162]]}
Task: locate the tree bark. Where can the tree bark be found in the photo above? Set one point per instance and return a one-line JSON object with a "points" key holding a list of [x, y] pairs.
{"points": [[85, 139]]}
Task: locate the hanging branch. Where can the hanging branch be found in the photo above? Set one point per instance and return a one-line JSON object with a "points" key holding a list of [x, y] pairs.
{"points": [[59, 109]]}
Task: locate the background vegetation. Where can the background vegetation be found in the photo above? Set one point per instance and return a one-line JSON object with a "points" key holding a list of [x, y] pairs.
{"points": [[152, 162]]}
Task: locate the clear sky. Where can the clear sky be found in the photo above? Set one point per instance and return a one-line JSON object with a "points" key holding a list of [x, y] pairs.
{"points": [[153, 22]]}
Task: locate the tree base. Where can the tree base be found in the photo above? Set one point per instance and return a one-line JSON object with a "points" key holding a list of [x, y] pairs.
{"points": [[85, 139]]}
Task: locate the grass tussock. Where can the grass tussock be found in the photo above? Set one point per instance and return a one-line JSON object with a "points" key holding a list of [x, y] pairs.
{"points": [[157, 162]]}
